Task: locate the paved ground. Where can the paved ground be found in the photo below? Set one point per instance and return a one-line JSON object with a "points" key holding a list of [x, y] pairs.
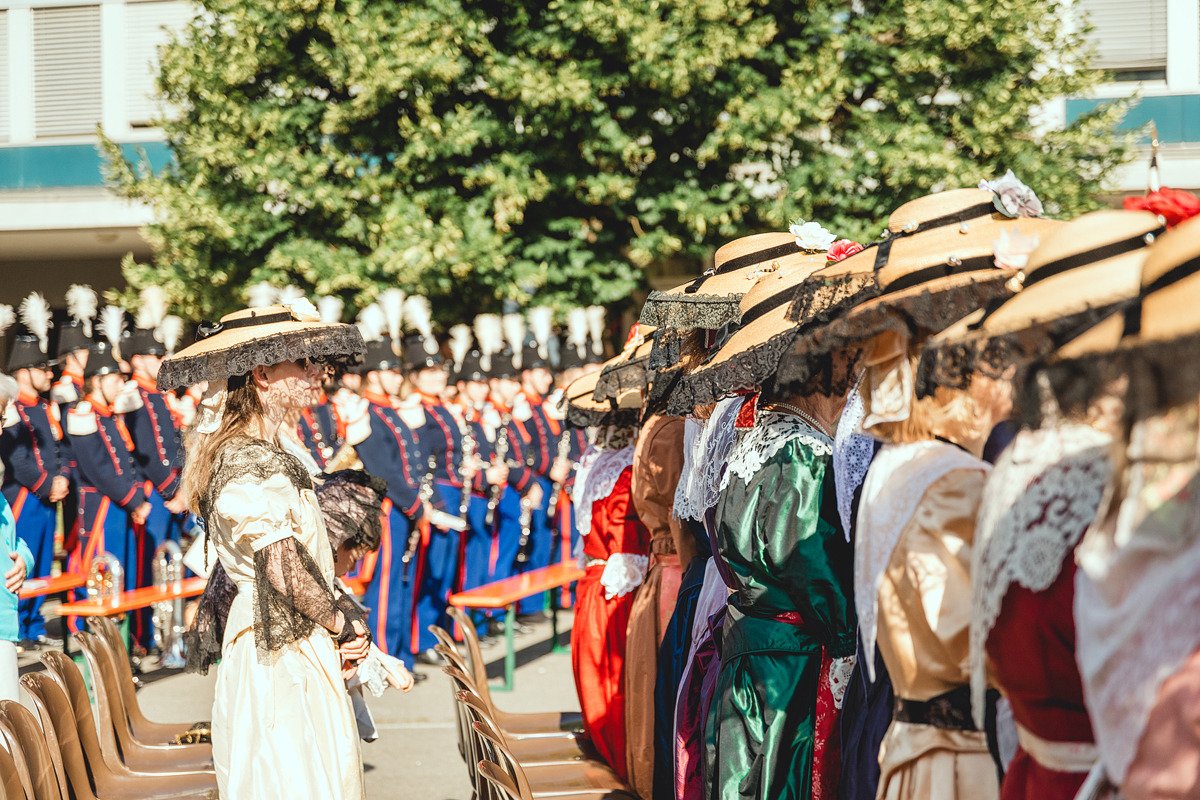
{"points": [[416, 755]]}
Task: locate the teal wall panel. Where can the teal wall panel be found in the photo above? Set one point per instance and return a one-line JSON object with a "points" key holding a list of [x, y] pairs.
{"points": [[1176, 115], [59, 166]]}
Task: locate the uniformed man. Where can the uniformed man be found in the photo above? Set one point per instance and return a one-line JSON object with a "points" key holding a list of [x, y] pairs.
{"points": [[36, 462], [113, 502], [388, 449]]}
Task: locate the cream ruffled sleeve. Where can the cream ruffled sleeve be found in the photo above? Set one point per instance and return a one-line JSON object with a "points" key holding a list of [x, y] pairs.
{"points": [[259, 513]]}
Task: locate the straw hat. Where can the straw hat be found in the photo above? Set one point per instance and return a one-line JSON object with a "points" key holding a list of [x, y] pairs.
{"points": [[631, 368], [584, 411], [711, 300], [1154, 339], [257, 337], [751, 354], [935, 264], [1071, 281]]}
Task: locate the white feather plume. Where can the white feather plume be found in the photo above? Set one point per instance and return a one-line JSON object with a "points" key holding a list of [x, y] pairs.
{"points": [[460, 344], [595, 318], [541, 325], [514, 334], [418, 315], [35, 315], [170, 332], [371, 323], [577, 330], [112, 325], [289, 293], [152, 308], [261, 295], [330, 308], [392, 303], [489, 335], [7, 317], [82, 305]]}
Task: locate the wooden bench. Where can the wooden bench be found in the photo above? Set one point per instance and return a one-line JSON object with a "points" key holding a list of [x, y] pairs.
{"points": [[510, 591], [131, 601], [59, 584]]}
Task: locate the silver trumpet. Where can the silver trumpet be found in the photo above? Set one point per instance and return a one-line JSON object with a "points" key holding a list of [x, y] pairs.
{"points": [[105, 579], [167, 615]]}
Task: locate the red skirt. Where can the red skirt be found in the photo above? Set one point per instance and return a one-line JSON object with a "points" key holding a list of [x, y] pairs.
{"points": [[598, 659]]}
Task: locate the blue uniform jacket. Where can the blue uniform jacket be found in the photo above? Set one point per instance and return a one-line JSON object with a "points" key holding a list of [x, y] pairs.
{"points": [[157, 448], [106, 467], [391, 452], [32, 449]]}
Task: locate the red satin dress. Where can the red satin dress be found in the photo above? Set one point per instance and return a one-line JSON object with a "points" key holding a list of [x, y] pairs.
{"points": [[1032, 653], [599, 633]]}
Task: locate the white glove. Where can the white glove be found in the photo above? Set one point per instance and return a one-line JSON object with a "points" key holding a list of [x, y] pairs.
{"points": [[623, 573]]}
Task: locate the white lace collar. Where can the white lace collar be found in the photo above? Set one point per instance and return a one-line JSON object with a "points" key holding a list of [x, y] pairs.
{"points": [[1039, 500], [768, 436], [598, 473], [895, 485], [852, 453], [710, 456]]}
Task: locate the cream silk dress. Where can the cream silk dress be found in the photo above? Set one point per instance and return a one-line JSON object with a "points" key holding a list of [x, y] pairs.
{"points": [[283, 724]]}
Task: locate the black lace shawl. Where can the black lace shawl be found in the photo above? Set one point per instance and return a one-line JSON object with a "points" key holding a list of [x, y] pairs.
{"points": [[291, 597]]}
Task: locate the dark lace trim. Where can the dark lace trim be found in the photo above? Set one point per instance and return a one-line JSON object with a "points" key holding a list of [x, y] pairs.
{"points": [[746, 370], [667, 310], [952, 364], [658, 396], [620, 378], [204, 638], [1160, 377], [319, 343], [821, 374], [589, 418], [821, 300], [291, 597], [351, 502], [246, 457]]}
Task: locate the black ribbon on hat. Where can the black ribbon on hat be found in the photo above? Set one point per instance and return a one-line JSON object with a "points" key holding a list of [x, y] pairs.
{"points": [[748, 260], [920, 276], [1133, 313], [206, 329], [884, 248]]}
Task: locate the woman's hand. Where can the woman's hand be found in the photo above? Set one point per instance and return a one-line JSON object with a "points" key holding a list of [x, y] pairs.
{"points": [[397, 676], [14, 579], [357, 648], [348, 671]]}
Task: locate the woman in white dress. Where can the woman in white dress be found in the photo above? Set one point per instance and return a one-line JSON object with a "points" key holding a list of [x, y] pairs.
{"points": [[282, 722]]}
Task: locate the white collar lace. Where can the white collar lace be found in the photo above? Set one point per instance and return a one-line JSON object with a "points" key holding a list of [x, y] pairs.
{"points": [[852, 452], [1039, 500], [598, 473], [768, 436], [700, 488]]}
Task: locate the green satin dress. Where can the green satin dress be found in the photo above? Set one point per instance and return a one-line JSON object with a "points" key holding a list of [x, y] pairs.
{"points": [[780, 535]]}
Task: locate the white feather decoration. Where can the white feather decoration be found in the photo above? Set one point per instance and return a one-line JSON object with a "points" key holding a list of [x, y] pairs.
{"points": [[82, 305], [577, 330], [261, 295], [330, 308], [170, 332], [460, 344], [392, 303], [35, 315], [595, 317], [418, 315], [7, 318], [490, 336], [152, 308], [289, 293], [541, 325], [112, 326], [371, 323], [514, 334]]}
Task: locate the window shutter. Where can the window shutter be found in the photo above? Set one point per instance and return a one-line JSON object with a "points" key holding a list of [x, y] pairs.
{"points": [[66, 70], [147, 27], [1129, 36], [5, 89]]}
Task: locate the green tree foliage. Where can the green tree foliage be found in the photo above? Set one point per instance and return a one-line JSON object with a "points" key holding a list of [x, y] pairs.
{"points": [[485, 150]]}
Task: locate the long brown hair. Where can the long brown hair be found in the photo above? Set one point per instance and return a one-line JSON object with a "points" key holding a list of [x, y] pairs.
{"points": [[242, 407]]}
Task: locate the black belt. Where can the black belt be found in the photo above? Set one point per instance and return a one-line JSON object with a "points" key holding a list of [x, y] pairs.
{"points": [[950, 711]]}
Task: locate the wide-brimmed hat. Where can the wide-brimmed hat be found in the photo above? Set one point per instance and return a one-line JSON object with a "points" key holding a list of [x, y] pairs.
{"points": [[711, 300], [1072, 280], [751, 354], [934, 264], [1153, 340], [630, 369], [256, 337], [583, 410]]}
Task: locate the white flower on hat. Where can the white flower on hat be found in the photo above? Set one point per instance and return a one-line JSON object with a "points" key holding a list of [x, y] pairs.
{"points": [[1012, 197], [812, 236], [302, 310], [1012, 249]]}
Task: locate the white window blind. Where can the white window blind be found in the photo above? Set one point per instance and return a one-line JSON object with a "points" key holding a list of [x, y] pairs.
{"points": [[147, 27], [66, 70], [1129, 35], [5, 89]]}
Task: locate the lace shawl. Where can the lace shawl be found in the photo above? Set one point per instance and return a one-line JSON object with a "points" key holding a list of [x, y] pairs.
{"points": [[597, 482], [1138, 586], [693, 428], [713, 445], [852, 453], [768, 436], [895, 485], [1041, 497]]}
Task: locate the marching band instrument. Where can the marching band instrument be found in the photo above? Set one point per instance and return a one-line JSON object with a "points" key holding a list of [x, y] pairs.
{"points": [[494, 492], [560, 456], [167, 616], [105, 579]]}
